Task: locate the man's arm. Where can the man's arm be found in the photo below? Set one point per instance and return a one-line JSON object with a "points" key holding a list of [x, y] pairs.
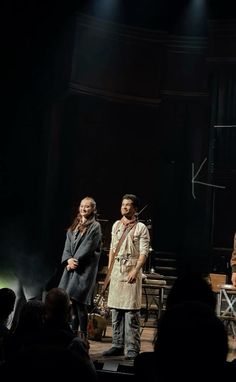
{"points": [[144, 251]]}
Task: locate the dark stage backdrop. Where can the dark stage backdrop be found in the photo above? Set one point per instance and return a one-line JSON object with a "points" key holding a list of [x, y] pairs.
{"points": [[104, 106]]}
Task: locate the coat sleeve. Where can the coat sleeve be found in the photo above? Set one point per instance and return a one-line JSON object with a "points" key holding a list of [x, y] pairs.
{"points": [[67, 248], [233, 257]]}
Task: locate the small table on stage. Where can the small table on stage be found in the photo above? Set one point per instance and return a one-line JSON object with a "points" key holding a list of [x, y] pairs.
{"points": [[154, 291], [226, 307]]}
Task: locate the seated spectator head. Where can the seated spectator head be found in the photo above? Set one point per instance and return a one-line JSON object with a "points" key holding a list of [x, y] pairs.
{"points": [[57, 306], [191, 287], [191, 336], [7, 303], [31, 316]]}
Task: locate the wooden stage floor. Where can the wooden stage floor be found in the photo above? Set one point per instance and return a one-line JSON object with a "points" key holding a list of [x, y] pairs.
{"points": [[97, 347]]}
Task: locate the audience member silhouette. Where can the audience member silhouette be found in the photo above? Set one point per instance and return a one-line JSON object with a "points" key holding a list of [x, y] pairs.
{"points": [[189, 335], [191, 287], [191, 338], [53, 339], [57, 320], [57, 324], [7, 303], [48, 362], [29, 328]]}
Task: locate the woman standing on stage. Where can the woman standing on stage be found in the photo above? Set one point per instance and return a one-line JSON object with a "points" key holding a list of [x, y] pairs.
{"points": [[81, 257]]}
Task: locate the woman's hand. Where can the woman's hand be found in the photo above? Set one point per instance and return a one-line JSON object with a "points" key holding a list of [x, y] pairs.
{"points": [[72, 263]]}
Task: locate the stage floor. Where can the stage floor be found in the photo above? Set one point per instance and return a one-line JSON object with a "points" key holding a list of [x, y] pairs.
{"points": [[97, 347]]}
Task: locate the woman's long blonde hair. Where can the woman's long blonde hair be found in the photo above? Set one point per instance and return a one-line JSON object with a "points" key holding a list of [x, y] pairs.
{"points": [[77, 223]]}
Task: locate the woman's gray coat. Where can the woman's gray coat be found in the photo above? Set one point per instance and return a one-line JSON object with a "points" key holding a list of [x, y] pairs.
{"points": [[86, 248]]}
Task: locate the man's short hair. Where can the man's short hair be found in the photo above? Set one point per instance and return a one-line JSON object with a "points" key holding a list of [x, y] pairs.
{"points": [[134, 198]]}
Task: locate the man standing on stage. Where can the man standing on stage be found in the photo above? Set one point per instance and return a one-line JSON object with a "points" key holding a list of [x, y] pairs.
{"points": [[130, 241]]}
